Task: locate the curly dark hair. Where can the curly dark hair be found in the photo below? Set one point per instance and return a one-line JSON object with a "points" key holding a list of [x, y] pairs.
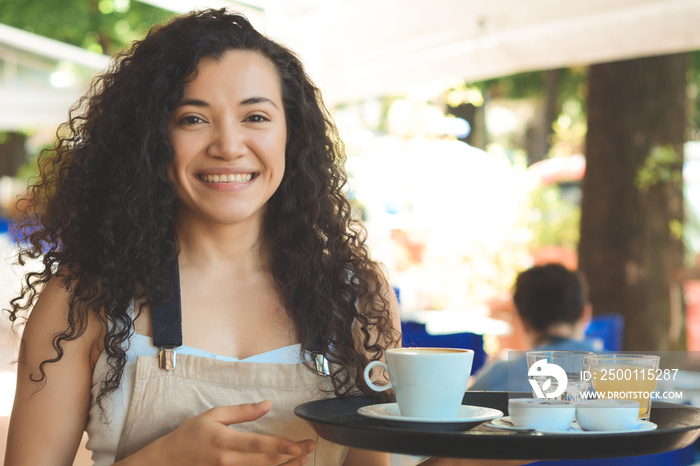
{"points": [[550, 294], [101, 214]]}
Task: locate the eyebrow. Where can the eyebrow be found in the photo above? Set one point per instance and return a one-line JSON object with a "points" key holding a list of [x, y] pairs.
{"points": [[193, 102], [258, 100], [248, 101]]}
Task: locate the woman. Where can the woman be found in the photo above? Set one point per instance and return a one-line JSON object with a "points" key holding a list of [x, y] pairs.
{"points": [[195, 202]]}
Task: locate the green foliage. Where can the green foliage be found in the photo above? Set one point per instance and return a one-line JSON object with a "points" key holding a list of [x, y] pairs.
{"points": [[663, 165], [464, 94], [28, 170], [554, 220], [517, 86], [694, 95], [572, 85], [569, 129], [102, 26], [675, 227]]}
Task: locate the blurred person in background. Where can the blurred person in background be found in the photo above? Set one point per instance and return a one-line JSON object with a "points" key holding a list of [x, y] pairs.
{"points": [[552, 304]]}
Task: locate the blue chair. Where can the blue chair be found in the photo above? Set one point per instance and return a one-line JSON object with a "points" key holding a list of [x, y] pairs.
{"points": [[608, 328], [683, 457], [415, 335]]}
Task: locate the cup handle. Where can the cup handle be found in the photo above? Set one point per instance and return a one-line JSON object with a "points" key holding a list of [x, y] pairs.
{"points": [[376, 388]]}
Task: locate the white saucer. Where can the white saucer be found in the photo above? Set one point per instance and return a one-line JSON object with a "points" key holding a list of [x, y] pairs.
{"points": [[506, 423], [468, 416]]}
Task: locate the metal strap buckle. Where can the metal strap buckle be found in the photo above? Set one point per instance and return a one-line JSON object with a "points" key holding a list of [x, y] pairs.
{"points": [[166, 358], [322, 366]]}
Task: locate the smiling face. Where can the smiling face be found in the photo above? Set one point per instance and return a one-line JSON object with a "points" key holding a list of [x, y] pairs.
{"points": [[229, 136]]}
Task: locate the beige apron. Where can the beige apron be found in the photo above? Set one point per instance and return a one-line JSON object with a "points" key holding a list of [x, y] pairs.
{"points": [[162, 400]]}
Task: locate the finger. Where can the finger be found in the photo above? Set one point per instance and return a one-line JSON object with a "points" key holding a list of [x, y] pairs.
{"points": [[295, 461], [254, 459], [267, 444], [307, 446], [235, 414]]}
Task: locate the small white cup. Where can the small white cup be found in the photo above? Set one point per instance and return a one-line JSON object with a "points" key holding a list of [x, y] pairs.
{"points": [[427, 382], [537, 413], [607, 414]]}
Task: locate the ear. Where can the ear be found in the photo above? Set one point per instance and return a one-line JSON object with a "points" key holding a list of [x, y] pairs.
{"points": [[585, 320], [587, 314]]}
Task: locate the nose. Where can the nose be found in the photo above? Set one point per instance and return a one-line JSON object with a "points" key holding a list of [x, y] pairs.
{"points": [[228, 141]]}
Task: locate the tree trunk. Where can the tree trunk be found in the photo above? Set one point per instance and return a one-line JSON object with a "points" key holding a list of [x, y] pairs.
{"points": [[632, 206], [476, 118]]}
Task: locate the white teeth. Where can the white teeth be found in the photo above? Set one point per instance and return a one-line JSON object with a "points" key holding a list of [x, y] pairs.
{"points": [[230, 178]]}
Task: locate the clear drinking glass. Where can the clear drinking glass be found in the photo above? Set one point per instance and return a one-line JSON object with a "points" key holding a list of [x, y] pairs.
{"points": [[625, 377], [562, 372]]}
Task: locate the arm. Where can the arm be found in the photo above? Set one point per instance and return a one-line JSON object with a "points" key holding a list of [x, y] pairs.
{"points": [[48, 417]]}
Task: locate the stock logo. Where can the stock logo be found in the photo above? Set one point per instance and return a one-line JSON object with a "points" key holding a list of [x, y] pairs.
{"points": [[543, 372]]}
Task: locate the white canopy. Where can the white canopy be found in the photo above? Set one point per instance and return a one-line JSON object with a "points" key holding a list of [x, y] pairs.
{"points": [[365, 48], [361, 48], [356, 49], [40, 78]]}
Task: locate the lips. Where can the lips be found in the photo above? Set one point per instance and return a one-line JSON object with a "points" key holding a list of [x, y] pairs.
{"points": [[227, 178]]}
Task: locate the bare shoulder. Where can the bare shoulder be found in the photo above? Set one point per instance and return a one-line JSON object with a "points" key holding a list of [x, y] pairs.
{"points": [[53, 393], [49, 318]]}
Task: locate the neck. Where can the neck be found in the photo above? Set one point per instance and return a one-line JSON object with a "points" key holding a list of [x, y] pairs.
{"points": [[561, 330], [205, 246]]}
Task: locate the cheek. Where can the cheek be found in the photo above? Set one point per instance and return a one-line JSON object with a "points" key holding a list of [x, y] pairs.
{"points": [[176, 172], [282, 164], [171, 174], [173, 162], [277, 148], [282, 145], [180, 158]]}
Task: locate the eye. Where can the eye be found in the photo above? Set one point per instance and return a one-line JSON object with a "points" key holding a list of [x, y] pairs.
{"points": [[191, 120], [257, 118]]}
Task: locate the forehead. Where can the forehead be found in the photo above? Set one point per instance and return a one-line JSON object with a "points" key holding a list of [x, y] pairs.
{"points": [[237, 70]]}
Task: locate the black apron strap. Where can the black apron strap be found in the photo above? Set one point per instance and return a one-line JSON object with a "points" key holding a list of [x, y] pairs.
{"points": [[167, 318]]}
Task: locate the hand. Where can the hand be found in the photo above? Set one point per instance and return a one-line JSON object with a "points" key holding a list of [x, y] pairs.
{"points": [[207, 440]]}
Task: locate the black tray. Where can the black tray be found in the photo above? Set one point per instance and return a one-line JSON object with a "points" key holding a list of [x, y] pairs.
{"points": [[337, 420]]}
